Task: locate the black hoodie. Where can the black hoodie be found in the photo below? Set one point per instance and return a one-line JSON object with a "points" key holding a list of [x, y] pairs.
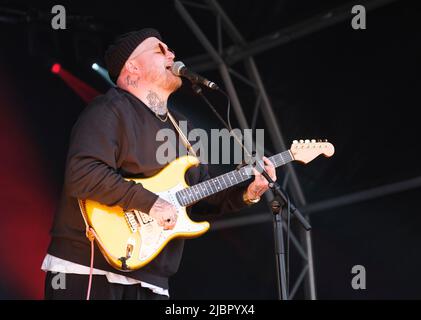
{"points": [[115, 137]]}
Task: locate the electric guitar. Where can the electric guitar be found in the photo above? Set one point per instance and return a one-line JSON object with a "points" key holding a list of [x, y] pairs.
{"points": [[131, 239]]}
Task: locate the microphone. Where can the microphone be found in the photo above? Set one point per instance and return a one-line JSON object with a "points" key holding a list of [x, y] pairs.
{"points": [[179, 69]]}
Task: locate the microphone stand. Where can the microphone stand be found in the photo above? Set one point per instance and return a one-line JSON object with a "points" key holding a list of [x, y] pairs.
{"points": [[277, 205]]}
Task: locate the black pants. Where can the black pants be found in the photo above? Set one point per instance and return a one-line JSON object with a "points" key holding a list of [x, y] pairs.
{"points": [[74, 287]]}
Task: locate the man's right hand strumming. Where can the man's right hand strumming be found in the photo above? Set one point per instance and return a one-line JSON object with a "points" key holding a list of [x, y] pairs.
{"points": [[164, 213]]}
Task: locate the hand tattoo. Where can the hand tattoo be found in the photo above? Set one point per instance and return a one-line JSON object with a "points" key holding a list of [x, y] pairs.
{"points": [[161, 204]]}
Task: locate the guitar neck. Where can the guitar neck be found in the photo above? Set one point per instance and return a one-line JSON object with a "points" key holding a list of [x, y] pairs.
{"points": [[190, 195]]}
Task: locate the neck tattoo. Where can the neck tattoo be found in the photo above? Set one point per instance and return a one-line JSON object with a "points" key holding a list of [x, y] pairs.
{"points": [[156, 104], [132, 82]]}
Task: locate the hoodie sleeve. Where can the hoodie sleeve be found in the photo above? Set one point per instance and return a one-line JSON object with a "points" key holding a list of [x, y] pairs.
{"points": [[96, 144]]}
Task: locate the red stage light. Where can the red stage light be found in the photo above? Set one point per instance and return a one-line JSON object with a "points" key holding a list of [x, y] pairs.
{"points": [[56, 68]]}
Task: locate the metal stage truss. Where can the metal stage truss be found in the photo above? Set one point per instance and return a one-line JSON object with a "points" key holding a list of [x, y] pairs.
{"points": [[223, 59]]}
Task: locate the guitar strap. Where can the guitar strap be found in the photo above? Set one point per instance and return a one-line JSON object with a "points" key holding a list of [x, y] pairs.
{"points": [[186, 142], [91, 235]]}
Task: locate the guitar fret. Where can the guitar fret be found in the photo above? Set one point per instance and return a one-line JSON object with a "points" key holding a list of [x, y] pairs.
{"points": [[286, 157], [186, 198], [282, 158], [181, 197], [237, 176], [230, 175], [193, 193], [244, 175], [194, 190], [227, 184], [240, 174], [223, 181], [213, 185], [202, 191], [218, 184], [206, 188], [210, 187], [278, 161], [190, 195], [197, 192], [275, 160]]}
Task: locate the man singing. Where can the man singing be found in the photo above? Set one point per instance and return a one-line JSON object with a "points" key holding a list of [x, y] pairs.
{"points": [[115, 137]]}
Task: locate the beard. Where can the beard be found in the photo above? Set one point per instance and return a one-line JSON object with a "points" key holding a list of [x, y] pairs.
{"points": [[172, 83], [165, 80]]}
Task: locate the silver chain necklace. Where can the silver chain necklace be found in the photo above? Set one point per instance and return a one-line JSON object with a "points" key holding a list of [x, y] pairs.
{"points": [[159, 116]]}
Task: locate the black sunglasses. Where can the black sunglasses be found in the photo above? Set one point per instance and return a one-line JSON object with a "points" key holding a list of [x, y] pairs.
{"points": [[164, 51]]}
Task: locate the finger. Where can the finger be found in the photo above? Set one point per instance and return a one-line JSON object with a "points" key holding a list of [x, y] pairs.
{"points": [[260, 186], [162, 223], [171, 225], [167, 225], [268, 162], [256, 173], [172, 220], [271, 172]]}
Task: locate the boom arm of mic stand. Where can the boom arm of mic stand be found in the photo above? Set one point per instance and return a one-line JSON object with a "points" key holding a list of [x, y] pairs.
{"points": [[276, 188]]}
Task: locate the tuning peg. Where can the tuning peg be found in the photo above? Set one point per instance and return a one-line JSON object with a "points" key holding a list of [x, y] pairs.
{"points": [[307, 141], [325, 140], [313, 140], [301, 141], [295, 142]]}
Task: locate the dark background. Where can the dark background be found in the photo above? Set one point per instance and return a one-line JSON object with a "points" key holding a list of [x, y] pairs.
{"points": [[358, 88]]}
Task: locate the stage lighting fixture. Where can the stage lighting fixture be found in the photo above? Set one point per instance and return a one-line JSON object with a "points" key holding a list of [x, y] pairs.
{"points": [[56, 68]]}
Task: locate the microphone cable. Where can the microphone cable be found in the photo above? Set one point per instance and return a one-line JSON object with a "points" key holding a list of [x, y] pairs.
{"points": [[198, 90]]}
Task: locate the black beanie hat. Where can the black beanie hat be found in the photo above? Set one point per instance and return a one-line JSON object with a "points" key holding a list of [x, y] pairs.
{"points": [[123, 46]]}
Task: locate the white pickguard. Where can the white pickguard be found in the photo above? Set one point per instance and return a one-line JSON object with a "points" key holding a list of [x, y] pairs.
{"points": [[153, 236]]}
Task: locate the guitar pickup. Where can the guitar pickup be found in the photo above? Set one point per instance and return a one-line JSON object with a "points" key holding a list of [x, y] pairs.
{"points": [[143, 217], [131, 220]]}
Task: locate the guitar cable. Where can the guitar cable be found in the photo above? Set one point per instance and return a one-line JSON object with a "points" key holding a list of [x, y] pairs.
{"points": [[198, 90], [287, 236], [90, 234], [91, 270]]}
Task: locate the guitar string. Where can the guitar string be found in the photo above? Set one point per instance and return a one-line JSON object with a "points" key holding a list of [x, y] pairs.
{"points": [[193, 191]]}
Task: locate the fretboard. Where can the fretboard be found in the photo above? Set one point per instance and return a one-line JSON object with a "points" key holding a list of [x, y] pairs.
{"points": [[190, 195]]}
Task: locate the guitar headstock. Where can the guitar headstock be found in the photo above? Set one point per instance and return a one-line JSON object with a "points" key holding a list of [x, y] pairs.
{"points": [[306, 150]]}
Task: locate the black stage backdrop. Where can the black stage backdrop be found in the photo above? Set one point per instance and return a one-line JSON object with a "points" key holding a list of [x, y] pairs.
{"points": [[357, 88]]}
